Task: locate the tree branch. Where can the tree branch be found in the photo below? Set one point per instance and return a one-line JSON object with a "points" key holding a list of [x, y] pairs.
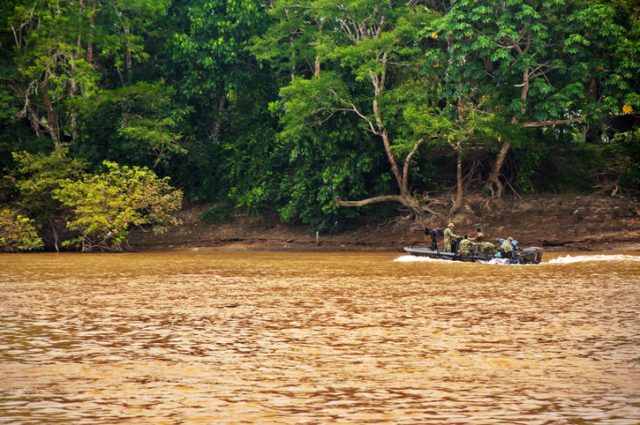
{"points": [[548, 123], [369, 201]]}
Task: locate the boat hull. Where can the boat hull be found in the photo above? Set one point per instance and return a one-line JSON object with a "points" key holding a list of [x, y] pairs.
{"points": [[531, 255]]}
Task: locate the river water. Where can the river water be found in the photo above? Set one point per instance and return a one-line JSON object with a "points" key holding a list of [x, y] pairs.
{"points": [[308, 338]]}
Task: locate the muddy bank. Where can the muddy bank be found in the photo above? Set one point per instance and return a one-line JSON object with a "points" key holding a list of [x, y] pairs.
{"points": [[556, 222]]}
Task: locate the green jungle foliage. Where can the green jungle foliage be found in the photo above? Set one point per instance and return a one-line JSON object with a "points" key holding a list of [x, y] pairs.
{"points": [[103, 207], [38, 176], [222, 213], [627, 150], [17, 232], [311, 110]]}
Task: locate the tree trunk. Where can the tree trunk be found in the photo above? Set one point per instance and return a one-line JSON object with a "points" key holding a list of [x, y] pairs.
{"points": [[92, 26], [493, 184], [407, 163], [378, 87], [316, 68], [55, 236], [392, 161], [458, 201], [128, 57], [75, 91], [293, 59], [74, 125], [215, 132], [33, 119], [316, 64], [52, 124]]}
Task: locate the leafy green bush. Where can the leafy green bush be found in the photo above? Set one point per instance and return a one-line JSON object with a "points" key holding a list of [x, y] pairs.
{"points": [[17, 232], [105, 206]]}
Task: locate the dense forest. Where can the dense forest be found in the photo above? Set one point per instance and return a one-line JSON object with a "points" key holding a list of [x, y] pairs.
{"points": [[112, 112]]}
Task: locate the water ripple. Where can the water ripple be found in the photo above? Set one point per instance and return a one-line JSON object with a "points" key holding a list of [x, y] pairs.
{"points": [[316, 338]]}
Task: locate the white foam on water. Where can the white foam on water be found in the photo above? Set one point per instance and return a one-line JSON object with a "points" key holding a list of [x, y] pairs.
{"points": [[498, 261], [569, 259], [417, 259]]}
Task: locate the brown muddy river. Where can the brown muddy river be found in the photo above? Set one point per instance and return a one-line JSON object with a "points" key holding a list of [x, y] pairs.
{"points": [[317, 338]]}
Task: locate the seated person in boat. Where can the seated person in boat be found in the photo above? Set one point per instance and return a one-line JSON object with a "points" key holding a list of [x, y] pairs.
{"points": [[449, 237], [486, 248], [515, 248], [506, 248], [436, 234], [465, 246]]}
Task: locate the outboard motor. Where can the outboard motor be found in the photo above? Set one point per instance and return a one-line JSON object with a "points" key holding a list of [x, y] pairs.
{"points": [[514, 247], [532, 255]]}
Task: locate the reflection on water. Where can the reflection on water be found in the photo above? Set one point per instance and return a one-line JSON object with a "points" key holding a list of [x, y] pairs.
{"points": [[316, 338]]}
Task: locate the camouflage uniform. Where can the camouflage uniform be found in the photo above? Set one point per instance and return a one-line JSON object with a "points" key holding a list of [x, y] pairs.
{"points": [[506, 249], [479, 237], [486, 248], [448, 237], [465, 247]]}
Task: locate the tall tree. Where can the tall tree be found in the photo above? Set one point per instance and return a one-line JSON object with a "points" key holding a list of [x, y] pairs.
{"points": [[210, 53], [126, 24], [373, 43], [51, 65]]}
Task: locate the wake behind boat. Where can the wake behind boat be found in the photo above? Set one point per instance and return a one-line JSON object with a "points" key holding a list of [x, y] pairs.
{"points": [[532, 255]]}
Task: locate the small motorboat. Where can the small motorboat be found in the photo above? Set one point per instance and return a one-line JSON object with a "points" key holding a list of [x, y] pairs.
{"points": [[532, 255]]}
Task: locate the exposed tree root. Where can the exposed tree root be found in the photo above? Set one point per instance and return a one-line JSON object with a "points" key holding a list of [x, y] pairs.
{"points": [[415, 207]]}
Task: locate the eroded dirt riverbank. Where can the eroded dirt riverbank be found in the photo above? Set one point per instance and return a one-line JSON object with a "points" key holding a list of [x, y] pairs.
{"points": [[556, 222]]}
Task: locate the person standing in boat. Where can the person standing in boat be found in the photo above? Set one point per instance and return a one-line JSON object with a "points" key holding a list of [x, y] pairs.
{"points": [[436, 234], [449, 237], [479, 236], [465, 246], [477, 242]]}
